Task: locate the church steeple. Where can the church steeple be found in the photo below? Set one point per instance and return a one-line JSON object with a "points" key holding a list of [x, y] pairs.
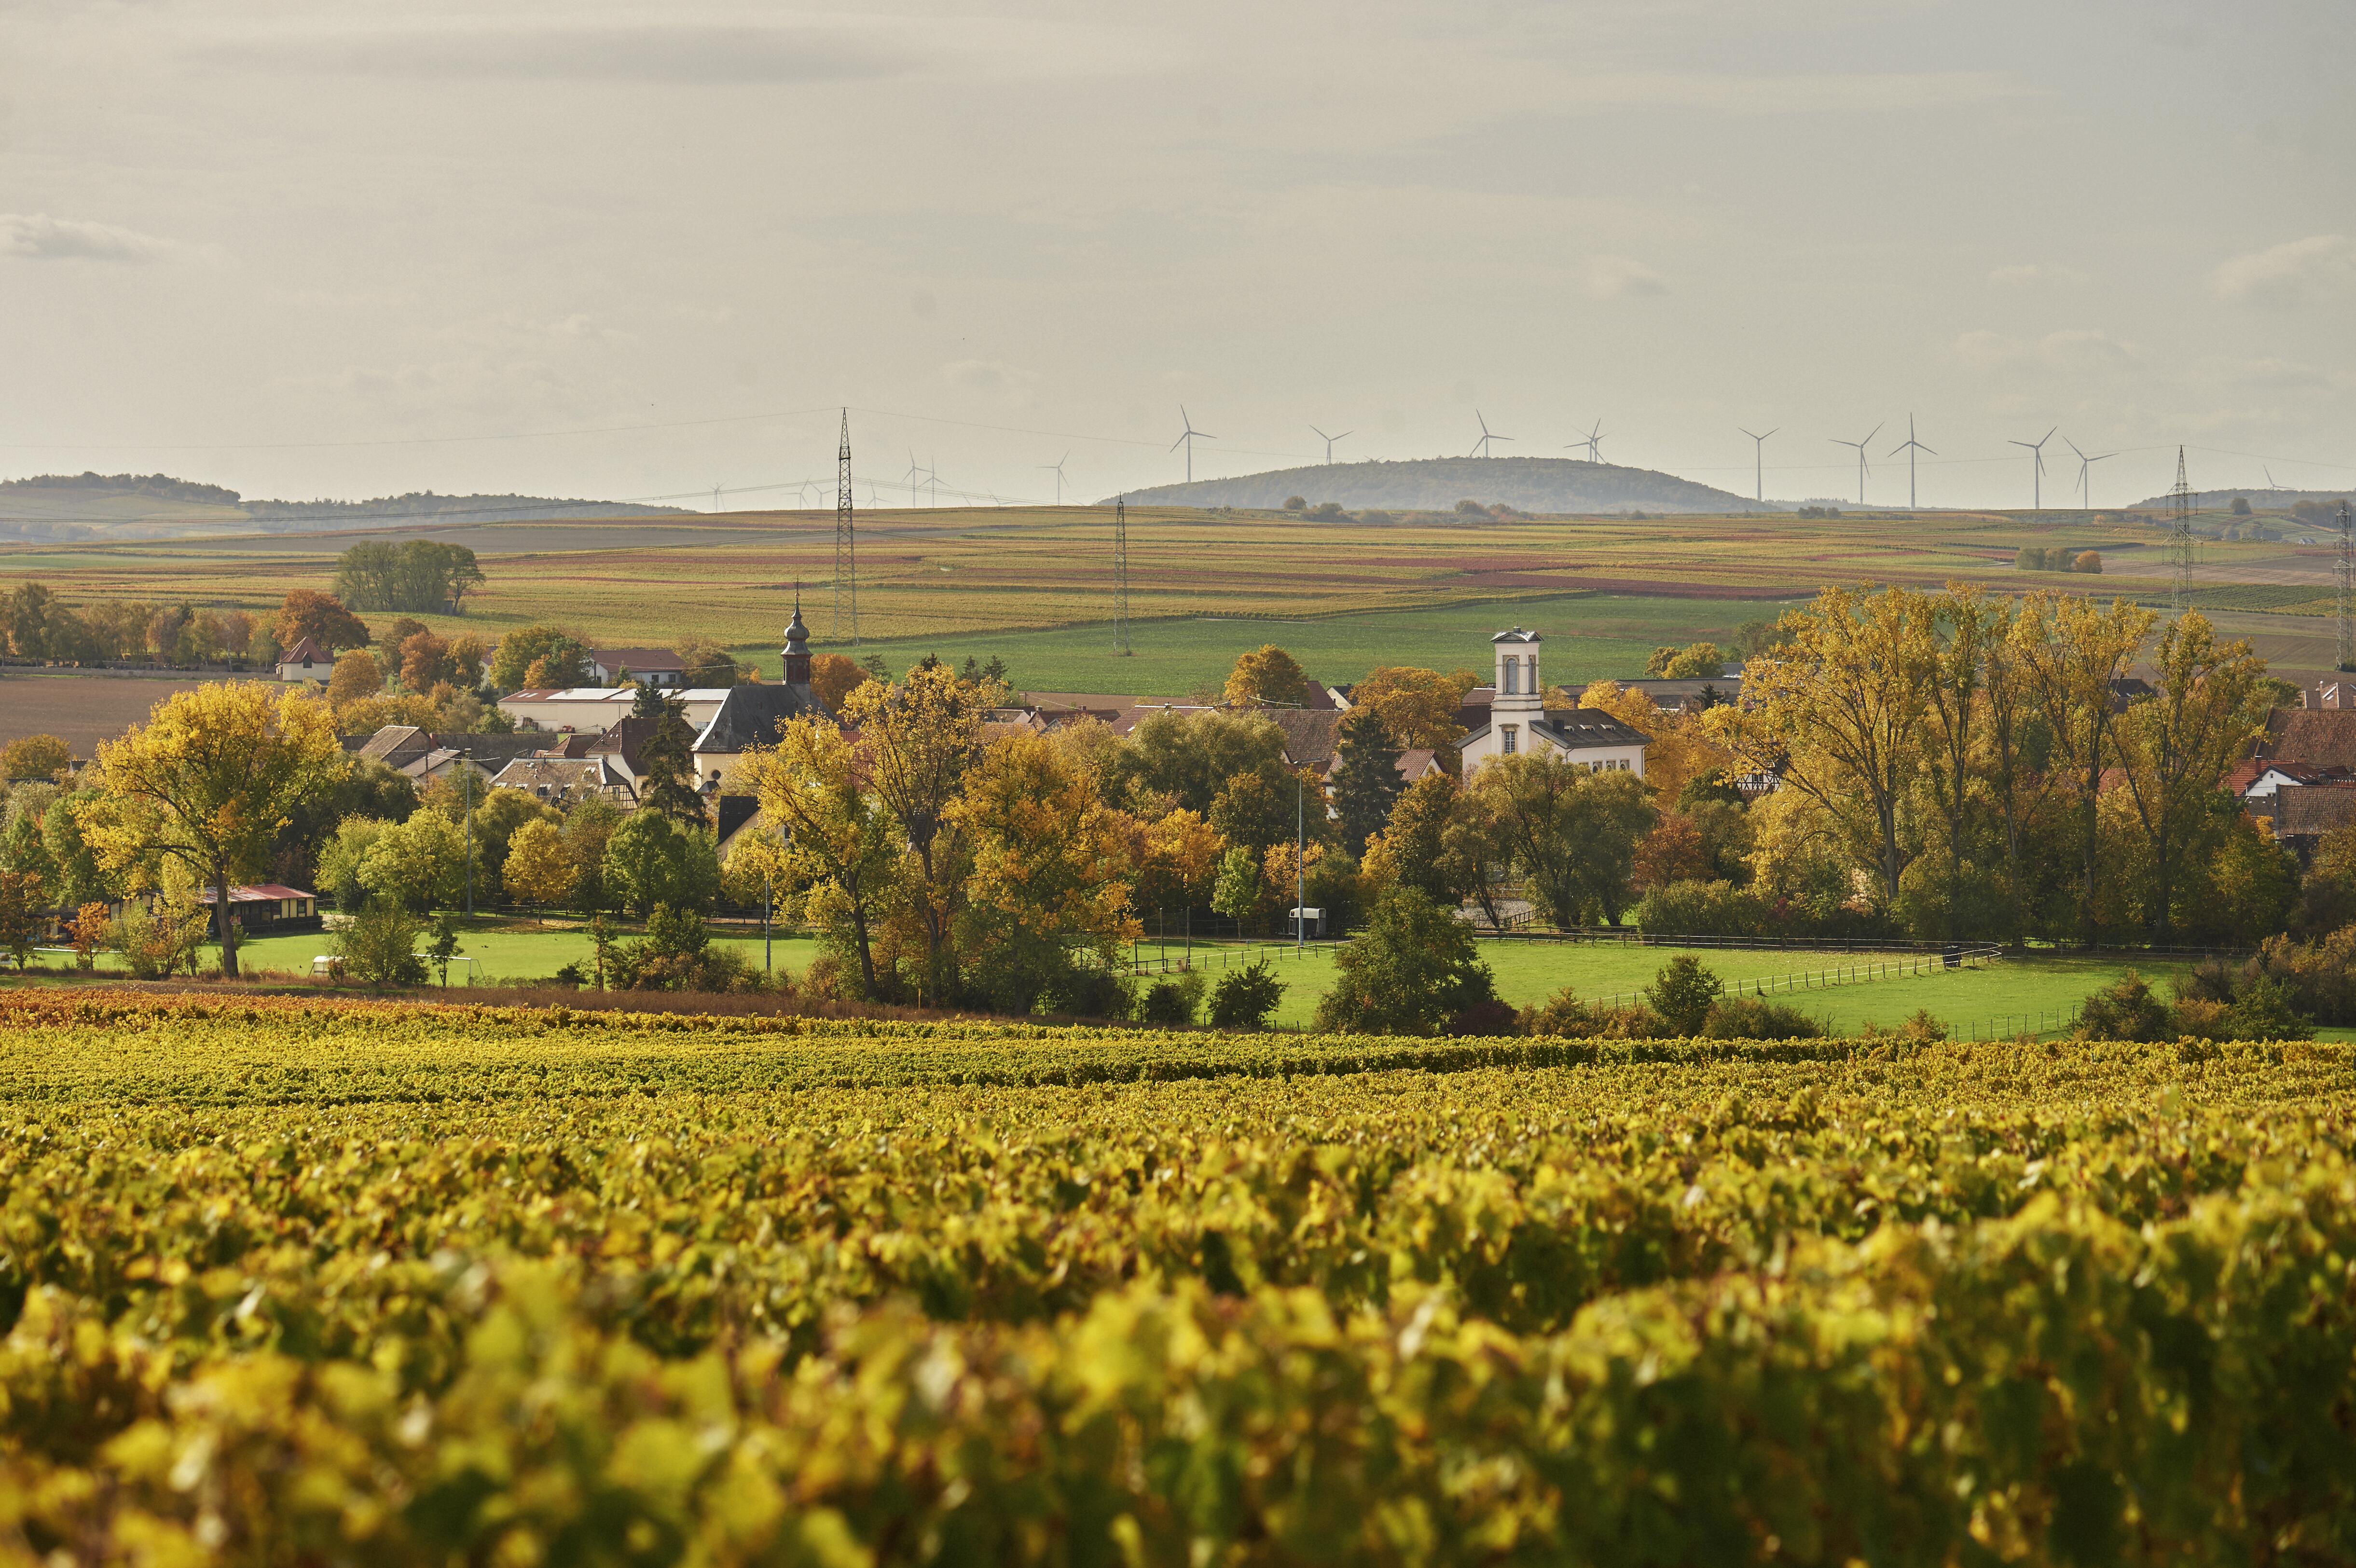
{"points": [[798, 653]]}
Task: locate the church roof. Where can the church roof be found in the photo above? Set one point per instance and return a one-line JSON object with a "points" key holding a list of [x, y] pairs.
{"points": [[750, 716], [1518, 636]]}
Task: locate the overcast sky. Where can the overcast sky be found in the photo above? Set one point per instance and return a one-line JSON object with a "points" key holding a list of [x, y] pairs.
{"points": [[342, 249]]}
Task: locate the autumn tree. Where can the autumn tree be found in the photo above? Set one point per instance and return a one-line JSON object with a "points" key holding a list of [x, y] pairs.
{"points": [[559, 657], [2072, 654], [1572, 830], [1417, 707], [356, 678], [1964, 630], [704, 663], [831, 843], [540, 870], [832, 676], [1679, 749], [2176, 745], [35, 757], [1049, 888], [1839, 710], [306, 612], [1177, 862], [1268, 675], [917, 738], [208, 781]]}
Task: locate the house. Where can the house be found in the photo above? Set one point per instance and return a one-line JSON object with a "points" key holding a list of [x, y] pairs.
{"points": [[2304, 815], [422, 755], [752, 715], [306, 660], [1689, 696], [1517, 720], [267, 906], [622, 745], [2319, 738], [1312, 736], [657, 668], [564, 780], [1417, 761]]}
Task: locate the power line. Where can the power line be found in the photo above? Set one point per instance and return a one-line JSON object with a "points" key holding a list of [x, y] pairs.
{"points": [[846, 552], [1120, 576], [2179, 540]]}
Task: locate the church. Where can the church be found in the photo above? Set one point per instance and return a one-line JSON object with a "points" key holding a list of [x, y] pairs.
{"points": [[1519, 722]]}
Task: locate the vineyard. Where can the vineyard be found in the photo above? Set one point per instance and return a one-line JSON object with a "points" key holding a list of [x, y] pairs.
{"points": [[302, 1282]]}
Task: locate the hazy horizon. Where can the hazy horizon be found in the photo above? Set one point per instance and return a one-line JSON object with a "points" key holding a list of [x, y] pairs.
{"points": [[338, 252]]}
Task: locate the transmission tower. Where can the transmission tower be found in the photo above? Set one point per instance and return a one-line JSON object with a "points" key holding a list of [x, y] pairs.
{"points": [[1120, 576], [846, 552], [2347, 589], [2179, 537]]}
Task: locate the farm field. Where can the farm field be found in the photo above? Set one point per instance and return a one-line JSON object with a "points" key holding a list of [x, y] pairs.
{"points": [[79, 710], [404, 1283], [2003, 997]]}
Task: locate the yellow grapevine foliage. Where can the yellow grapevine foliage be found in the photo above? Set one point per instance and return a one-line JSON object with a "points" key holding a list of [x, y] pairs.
{"points": [[296, 1282]]}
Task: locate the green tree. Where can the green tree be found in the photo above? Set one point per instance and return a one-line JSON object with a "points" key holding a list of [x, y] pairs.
{"points": [[1414, 843], [667, 781], [1238, 892], [1245, 998], [1683, 992], [827, 839], [652, 860], [209, 782], [443, 948], [588, 828], [420, 864], [1187, 759], [380, 946], [23, 914], [1367, 783], [1572, 830], [562, 656], [1412, 970]]}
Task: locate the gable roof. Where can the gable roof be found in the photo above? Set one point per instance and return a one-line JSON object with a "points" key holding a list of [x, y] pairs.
{"points": [[750, 715], [563, 775], [1312, 736], [644, 661], [306, 651], [2314, 809], [397, 743], [625, 739], [1577, 729], [2317, 736]]}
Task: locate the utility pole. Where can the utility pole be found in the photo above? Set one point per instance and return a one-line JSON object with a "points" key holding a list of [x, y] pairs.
{"points": [[1120, 577], [846, 552], [466, 772], [2347, 589], [2179, 547], [1299, 864]]}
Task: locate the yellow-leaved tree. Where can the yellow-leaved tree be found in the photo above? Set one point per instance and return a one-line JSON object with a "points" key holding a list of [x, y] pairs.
{"points": [[1047, 901], [1417, 707], [207, 782], [825, 840], [539, 868], [1680, 751], [1269, 675]]}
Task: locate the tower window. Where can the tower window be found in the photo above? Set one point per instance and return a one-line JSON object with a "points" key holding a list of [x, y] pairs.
{"points": [[1513, 676], [1513, 736]]}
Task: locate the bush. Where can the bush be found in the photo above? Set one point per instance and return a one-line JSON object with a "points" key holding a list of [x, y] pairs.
{"points": [[1921, 1026], [1755, 1018], [2088, 561], [1683, 994], [380, 946], [2127, 1009], [678, 956], [2029, 558], [1701, 909], [1413, 969], [1174, 1001], [2241, 507], [1294, 503], [1327, 509], [1245, 998], [1563, 1014], [1488, 1017]]}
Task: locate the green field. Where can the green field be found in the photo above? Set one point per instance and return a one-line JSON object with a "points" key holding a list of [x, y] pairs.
{"points": [[2001, 998]]}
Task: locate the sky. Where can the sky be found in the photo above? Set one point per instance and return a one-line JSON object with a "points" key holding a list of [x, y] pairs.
{"points": [[331, 249]]}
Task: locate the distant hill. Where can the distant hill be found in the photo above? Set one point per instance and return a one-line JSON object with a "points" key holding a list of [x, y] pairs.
{"points": [[2260, 498], [1542, 485], [61, 507]]}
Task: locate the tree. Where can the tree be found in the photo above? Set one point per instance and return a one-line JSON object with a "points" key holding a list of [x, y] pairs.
{"points": [[1414, 841], [1839, 710], [1188, 759], [1672, 852], [918, 738], [1695, 661], [1572, 831], [651, 860], [77, 875], [87, 932], [502, 814], [1178, 861], [588, 828], [705, 662], [355, 677], [421, 863], [1417, 707], [1679, 747], [425, 662], [1245, 998], [23, 914], [1683, 992], [1255, 811], [35, 757], [380, 946], [1238, 893], [560, 656], [2072, 655], [2088, 561], [1049, 891], [443, 948], [831, 840], [1268, 675], [1966, 629], [1413, 970], [667, 781], [208, 781], [2176, 745], [538, 869], [422, 574], [307, 613], [1367, 778], [832, 676]]}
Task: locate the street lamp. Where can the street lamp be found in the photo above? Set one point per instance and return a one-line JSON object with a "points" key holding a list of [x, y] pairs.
{"points": [[467, 773]]}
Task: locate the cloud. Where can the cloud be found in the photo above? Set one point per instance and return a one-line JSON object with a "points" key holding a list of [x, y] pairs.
{"points": [[37, 237], [2078, 348], [2314, 271], [2032, 274], [1610, 277]]}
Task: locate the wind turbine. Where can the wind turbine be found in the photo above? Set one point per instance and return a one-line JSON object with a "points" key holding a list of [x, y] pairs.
{"points": [[1861, 469], [2085, 470], [715, 497], [1593, 442], [1330, 440], [909, 478], [2037, 475], [1188, 438], [1910, 446], [932, 481], [1758, 458], [1057, 468], [1481, 447]]}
